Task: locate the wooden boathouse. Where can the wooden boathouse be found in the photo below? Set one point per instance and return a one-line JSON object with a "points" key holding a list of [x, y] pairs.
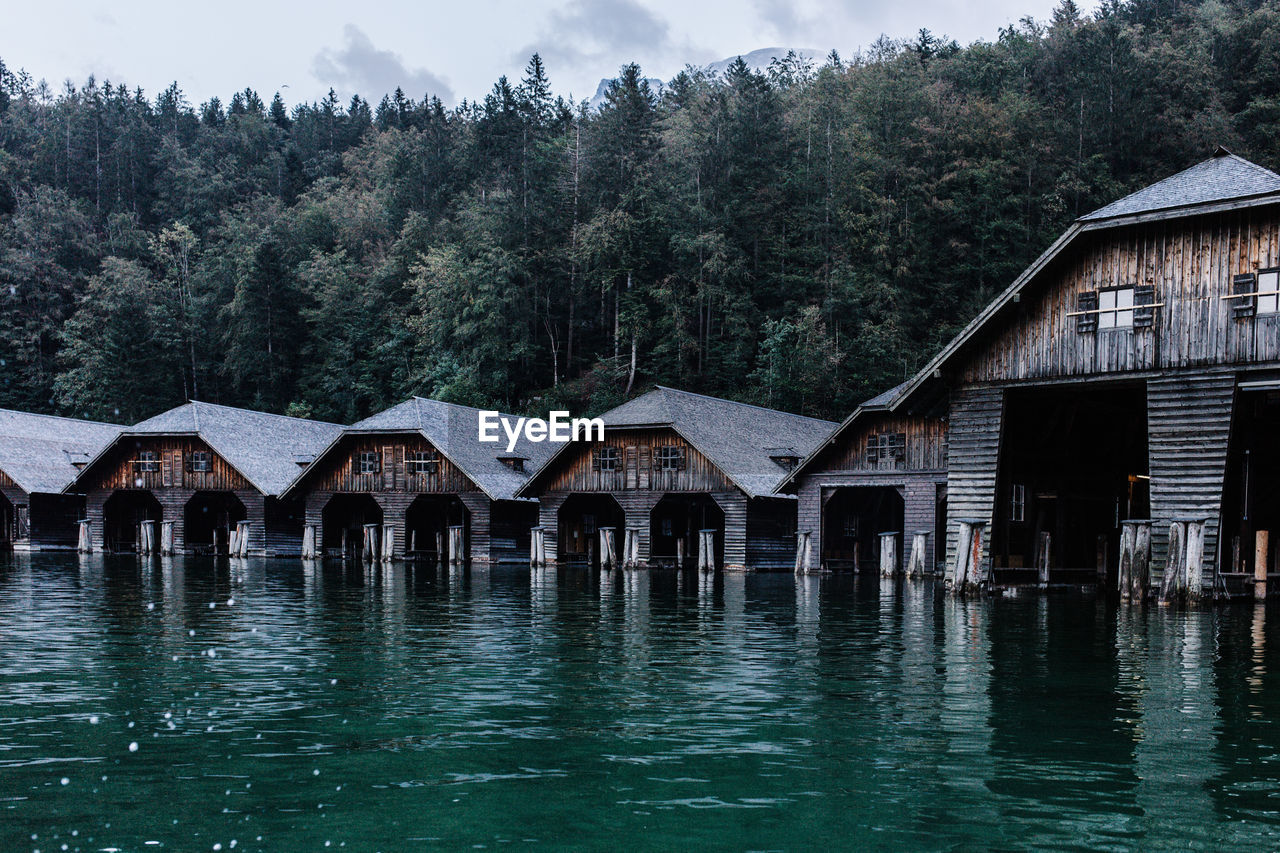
{"points": [[672, 465], [40, 456], [882, 473], [201, 478], [410, 474], [1125, 388]]}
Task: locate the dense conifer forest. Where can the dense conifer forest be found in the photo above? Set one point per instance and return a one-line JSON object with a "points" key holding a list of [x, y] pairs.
{"points": [[801, 237]]}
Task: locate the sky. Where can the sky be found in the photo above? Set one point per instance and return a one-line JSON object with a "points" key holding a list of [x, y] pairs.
{"points": [[455, 50]]}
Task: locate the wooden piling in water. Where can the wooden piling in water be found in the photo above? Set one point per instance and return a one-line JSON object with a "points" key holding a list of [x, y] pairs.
{"points": [[608, 552], [309, 542], [1261, 553], [84, 543], [166, 538], [919, 546], [1044, 547], [964, 575], [243, 529], [369, 548], [1135, 559], [147, 538], [804, 552], [631, 548], [457, 545], [1173, 583], [707, 551], [888, 554], [388, 543]]}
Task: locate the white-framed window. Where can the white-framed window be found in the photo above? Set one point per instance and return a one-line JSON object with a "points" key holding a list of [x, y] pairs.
{"points": [[1018, 503], [1115, 308], [670, 458], [1269, 292], [148, 462], [606, 459], [422, 462], [201, 461], [370, 462]]}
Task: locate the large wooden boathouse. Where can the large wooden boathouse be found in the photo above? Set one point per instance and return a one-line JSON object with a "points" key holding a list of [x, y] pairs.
{"points": [[200, 478], [672, 465], [412, 473], [40, 456], [1131, 374]]}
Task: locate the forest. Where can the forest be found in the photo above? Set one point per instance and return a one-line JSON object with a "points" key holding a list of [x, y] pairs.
{"points": [[800, 237]]}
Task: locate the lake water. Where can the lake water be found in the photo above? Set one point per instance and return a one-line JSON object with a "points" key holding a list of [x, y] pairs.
{"points": [[270, 709]]}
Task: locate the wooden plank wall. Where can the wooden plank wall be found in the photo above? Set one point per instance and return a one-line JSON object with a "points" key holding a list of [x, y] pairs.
{"points": [[926, 445], [340, 470], [734, 505], [1190, 262], [119, 471], [1188, 429], [637, 469], [977, 415]]}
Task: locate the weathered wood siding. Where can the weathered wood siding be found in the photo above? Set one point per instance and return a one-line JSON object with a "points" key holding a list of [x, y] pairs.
{"points": [[340, 470], [919, 491], [925, 450], [1188, 427], [120, 470], [637, 466], [1190, 262], [977, 415], [6, 481]]}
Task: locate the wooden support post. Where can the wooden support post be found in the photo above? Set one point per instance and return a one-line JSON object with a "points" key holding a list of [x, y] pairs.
{"points": [[147, 538], [631, 548], [457, 545], [707, 550], [608, 555], [309, 542], [344, 545], [166, 538], [919, 545], [888, 555], [85, 543], [1261, 553], [1174, 581], [242, 538], [412, 543], [1133, 573], [964, 576], [388, 542], [534, 549], [543, 558], [1103, 555], [1195, 559], [804, 552], [369, 548], [680, 553], [1044, 547], [441, 557]]}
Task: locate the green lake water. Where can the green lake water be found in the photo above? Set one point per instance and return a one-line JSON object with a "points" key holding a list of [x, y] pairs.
{"points": [[201, 706]]}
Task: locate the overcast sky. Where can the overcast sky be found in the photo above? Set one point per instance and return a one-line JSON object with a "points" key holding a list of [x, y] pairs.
{"points": [[455, 50]]}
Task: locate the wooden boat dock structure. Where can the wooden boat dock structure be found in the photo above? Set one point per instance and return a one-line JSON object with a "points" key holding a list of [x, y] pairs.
{"points": [[1108, 420]]}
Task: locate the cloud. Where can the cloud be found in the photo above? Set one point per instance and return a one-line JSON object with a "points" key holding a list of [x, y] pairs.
{"points": [[602, 35], [783, 16], [360, 68]]}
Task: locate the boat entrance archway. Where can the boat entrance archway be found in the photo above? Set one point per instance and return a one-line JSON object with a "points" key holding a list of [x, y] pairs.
{"points": [[123, 512], [580, 518], [853, 517]]}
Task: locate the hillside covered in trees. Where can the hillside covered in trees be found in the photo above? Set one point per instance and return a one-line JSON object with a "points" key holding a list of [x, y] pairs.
{"points": [[800, 238]]}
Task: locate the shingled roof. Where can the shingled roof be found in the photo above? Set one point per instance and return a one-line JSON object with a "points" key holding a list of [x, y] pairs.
{"points": [[264, 448], [1223, 177], [740, 439], [40, 452], [454, 431]]}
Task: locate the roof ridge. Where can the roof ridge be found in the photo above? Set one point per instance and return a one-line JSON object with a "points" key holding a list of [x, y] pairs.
{"points": [[739, 403], [58, 418]]}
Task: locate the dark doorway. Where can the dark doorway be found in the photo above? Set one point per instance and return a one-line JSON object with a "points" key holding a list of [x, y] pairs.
{"points": [[853, 517], [1073, 465], [427, 523], [1251, 496], [208, 519], [581, 516], [8, 523], [678, 518], [121, 515], [343, 522]]}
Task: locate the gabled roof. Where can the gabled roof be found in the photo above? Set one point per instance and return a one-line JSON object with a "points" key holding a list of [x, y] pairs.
{"points": [[40, 452], [454, 431], [1230, 182], [737, 438], [882, 402], [263, 447], [1223, 177]]}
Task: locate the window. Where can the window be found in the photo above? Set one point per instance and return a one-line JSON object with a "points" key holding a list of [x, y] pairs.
{"points": [[606, 459], [786, 463], [850, 527], [423, 462], [515, 463], [1269, 292], [1115, 308], [1018, 502], [887, 448], [668, 527], [148, 462], [370, 462], [201, 461], [670, 458]]}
